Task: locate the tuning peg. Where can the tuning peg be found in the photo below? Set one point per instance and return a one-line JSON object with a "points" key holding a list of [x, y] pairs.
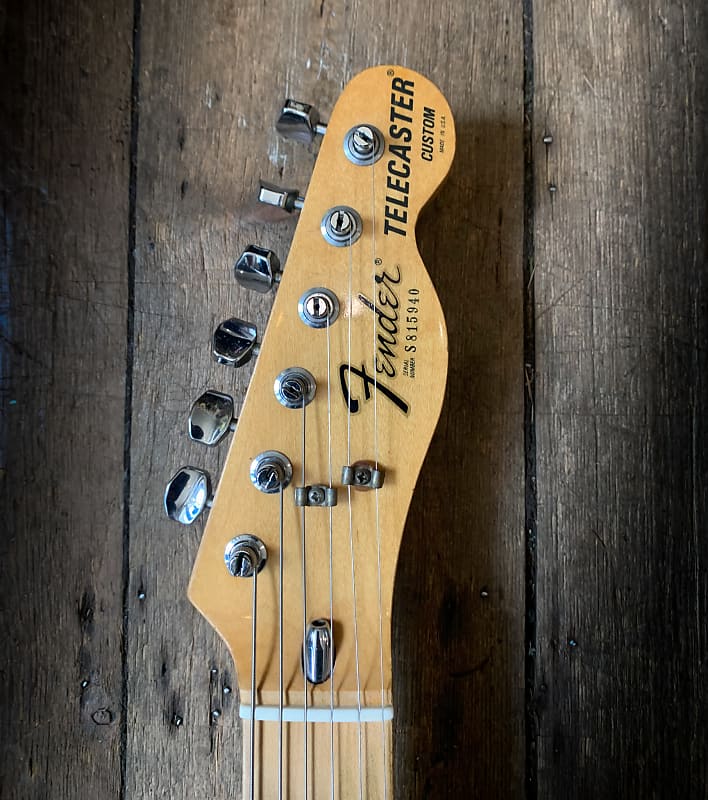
{"points": [[211, 418], [187, 494], [257, 268], [299, 122], [234, 342], [287, 199]]}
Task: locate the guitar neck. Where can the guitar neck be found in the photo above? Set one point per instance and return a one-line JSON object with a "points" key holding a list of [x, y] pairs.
{"points": [[355, 759]]}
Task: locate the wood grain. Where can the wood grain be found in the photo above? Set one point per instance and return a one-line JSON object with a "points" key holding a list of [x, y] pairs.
{"points": [[64, 180], [621, 405]]}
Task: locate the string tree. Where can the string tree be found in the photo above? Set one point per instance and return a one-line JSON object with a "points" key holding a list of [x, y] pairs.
{"points": [[363, 475]]}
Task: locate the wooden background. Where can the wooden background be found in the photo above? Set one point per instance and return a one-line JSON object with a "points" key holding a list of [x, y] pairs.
{"points": [[557, 647]]}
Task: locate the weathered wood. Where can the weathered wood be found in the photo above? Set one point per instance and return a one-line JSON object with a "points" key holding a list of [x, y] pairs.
{"points": [[65, 110], [622, 402], [211, 80]]}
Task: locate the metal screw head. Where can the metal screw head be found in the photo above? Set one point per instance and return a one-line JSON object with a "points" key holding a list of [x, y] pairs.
{"points": [[211, 418], [316, 496], [362, 475]]}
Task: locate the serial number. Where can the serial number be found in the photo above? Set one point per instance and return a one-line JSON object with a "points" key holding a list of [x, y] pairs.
{"points": [[412, 315]]}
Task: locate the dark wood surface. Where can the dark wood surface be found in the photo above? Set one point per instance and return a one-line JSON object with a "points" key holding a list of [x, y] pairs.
{"points": [[555, 643]]}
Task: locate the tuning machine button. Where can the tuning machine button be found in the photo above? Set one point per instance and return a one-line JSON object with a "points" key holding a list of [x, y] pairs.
{"points": [[187, 494], [288, 199], [257, 268], [211, 418], [235, 342], [299, 122]]}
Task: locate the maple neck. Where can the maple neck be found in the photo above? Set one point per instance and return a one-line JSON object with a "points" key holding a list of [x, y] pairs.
{"points": [[333, 758]]}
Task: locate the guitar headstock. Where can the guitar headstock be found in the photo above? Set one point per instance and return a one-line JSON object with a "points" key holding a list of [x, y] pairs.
{"points": [[351, 371]]}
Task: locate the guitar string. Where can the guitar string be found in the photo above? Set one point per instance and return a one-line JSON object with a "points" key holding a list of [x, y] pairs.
{"points": [[376, 462], [351, 525], [331, 558], [304, 595], [252, 768], [280, 657]]}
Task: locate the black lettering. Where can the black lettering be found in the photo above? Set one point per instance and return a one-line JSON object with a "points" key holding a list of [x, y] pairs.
{"points": [[396, 185], [388, 228], [367, 381], [404, 172], [402, 86], [400, 150], [401, 102], [395, 214], [394, 115], [400, 133], [399, 201]]}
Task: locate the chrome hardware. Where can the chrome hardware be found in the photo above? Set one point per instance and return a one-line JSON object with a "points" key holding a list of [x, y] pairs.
{"points": [[295, 387], [341, 226], [288, 199], [299, 122], [317, 495], [318, 307], [257, 269], [363, 476], [211, 418], [271, 471], [187, 494], [234, 342], [245, 555], [318, 651], [364, 145]]}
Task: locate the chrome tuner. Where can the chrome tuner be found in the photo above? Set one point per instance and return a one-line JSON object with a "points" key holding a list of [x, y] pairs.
{"points": [[187, 494], [245, 555], [363, 145], [234, 342], [341, 226], [257, 268], [288, 199], [271, 472], [211, 418], [295, 387], [299, 122]]}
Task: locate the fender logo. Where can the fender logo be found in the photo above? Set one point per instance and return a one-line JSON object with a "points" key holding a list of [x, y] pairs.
{"points": [[385, 306], [367, 381]]}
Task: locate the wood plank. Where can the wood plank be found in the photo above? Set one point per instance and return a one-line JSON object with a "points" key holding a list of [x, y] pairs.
{"points": [[209, 94], [63, 289], [622, 402]]}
